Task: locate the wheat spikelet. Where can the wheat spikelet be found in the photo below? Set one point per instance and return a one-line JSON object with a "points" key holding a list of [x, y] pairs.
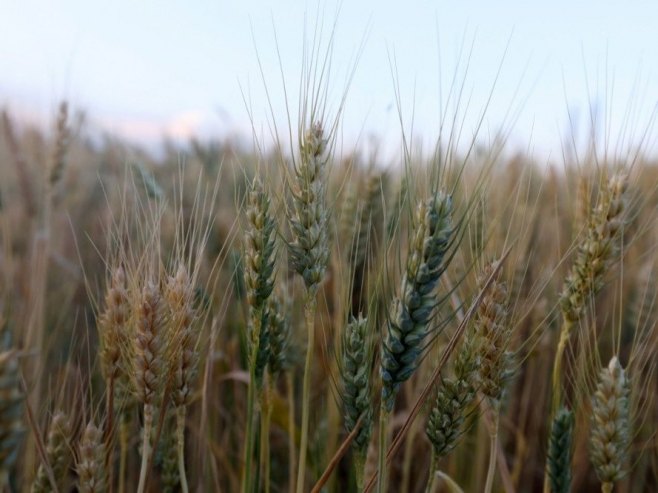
{"points": [[280, 335], [182, 315], [92, 475], [113, 325], [560, 451], [58, 453], [454, 396], [610, 428], [259, 272], [149, 344], [493, 332], [260, 249], [407, 326], [150, 370], [309, 250], [356, 379], [597, 251]]}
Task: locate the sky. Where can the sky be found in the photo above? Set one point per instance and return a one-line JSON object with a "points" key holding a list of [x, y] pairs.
{"points": [[144, 69]]}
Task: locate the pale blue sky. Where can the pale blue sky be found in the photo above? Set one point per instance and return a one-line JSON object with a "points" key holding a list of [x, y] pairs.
{"points": [[141, 68]]}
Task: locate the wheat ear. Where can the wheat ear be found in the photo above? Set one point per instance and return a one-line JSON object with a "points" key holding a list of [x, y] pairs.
{"points": [[92, 474], [184, 358], [259, 254], [58, 453], [493, 332], [453, 398], [610, 429], [560, 451], [149, 375], [594, 256], [407, 326], [356, 377]]}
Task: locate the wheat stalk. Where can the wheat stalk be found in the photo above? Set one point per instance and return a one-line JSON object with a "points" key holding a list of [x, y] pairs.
{"points": [[259, 255], [309, 253], [149, 364]]}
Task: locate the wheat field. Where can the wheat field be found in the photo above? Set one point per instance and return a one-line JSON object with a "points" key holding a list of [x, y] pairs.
{"points": [[298, 318]]}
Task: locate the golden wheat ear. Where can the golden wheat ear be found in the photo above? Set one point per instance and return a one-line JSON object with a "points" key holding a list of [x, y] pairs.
{"points": [[91, 467], [58, 453]]}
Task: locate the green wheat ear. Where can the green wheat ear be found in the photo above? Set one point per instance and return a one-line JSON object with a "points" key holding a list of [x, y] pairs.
{"points": [[356, 376], [280, 336], [610, 428], [259, 258], [560, 451], [453, 398], [309, 251], [411, 312]]}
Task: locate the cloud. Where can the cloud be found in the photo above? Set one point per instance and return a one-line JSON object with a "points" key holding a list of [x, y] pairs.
{"points": [[179, 127]]}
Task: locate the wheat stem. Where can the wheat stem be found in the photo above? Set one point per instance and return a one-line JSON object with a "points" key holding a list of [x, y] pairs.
{"points": [[309, 317], [249, 437], [124, 438], [290, 384], [432, 477], [146, 446], [265, 435], [565, 332], [180, 446], [383, 445], [109, 432], [491, 472]]}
